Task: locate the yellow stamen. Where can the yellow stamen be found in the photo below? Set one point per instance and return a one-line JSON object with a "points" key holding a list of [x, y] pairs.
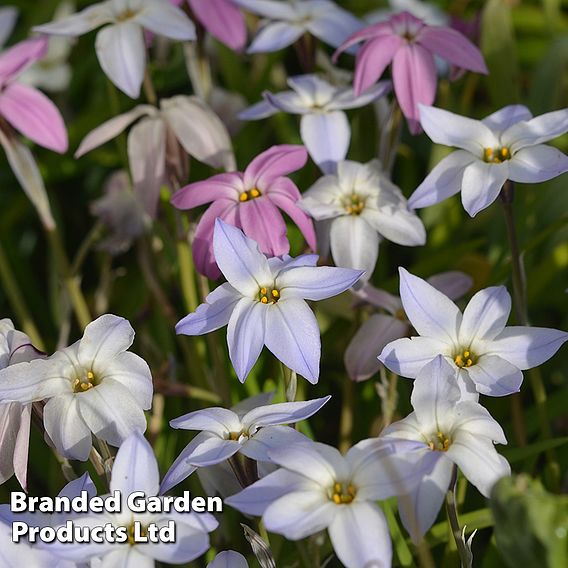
{"points": [[342, 495], [250, 194], [254, 192], [275, 294], [496, 155], [264, 300], [243, 196], [267, 295], [465, 359], [440, 443]]}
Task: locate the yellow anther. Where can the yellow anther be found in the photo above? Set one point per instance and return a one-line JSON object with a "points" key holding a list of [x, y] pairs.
{"points": [[505, 153], [254, 192], [264, 300], [439, 443], [354, 204], [275, 294], [466, 353], [342, 495], [250, 194], [346, 498], [267, 295], [496, 155], [263, 291], [234, 436], [465, 359], [337, 488], [337, 498], [243, 196], [351, 490]]}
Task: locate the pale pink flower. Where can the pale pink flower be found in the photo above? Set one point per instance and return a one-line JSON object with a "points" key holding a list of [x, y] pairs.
{"points": [[410, 45], [249, 200]]}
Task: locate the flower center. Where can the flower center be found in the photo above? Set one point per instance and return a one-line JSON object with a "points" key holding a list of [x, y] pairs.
{"points": [[268, 295], [439, 443], [354, 204], [496, 155], [465, 358], [250, 194], [131, 537], [343, 493], [126, 15], [238, 436], [85, 382]]}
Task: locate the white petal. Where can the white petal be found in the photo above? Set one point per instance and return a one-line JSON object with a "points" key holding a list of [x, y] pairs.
{"points": [[250, 403], [166, 20], [444, 127], [502, 119], [66, 428], [478, 461], [282, 413], [272, 9], [111, 128], [135, 467], [527, 347], [536, 131], [275, 36], [350, 533], [443, 181], [419, 509], [346, 99], [228, 559], [262, 109], [486, 315], [103, 339], [537, 163], [146, 145], [211, 315], [111, 412], [396, 224], [475, 419], [332, 24], [255, 499], [246, 335], [299, 514], [79, 24], [452, 283], [122, 55], [204, 450], [240, 260], [431, 313], [494, 376], [435, 393], [217, 420], [326, 136], [354, 244], [200, 131], [25, 169], [407, 356], [293, 336], [287, 101], [481, 184], [267, 439]]}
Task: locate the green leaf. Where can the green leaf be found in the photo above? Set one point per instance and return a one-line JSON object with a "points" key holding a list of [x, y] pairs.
{"points": [[517, 454]]}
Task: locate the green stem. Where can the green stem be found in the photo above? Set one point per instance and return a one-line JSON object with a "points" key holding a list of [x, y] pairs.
{"points": [[187, 275], [346, 417], [71, 282], [452, 511], [17, 301]]}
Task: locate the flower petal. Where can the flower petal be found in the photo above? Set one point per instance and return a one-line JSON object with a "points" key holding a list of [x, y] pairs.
{"points": [[406, 357], [217, 420], [361, 354], [372, 60], [220, 186], [345, 98], [275, 162], [414, 78], [135, 467], [122, 55], [111, 128], [267, 439], [293, 336], [486, 315], [223, 20], [444, 127], [478, 460], [506, 117], [536, 131], [19, 57], [262, 222], [443, 181], [105, 338], [527, 347], [326, 136], [246, 335], [537, 164], [333, 25], [111, 412], [228, 558], [66, 428], [476, 419], [34, 115], [240, 259], [397, 224], [452, 283], [282, 413], [315, 282], [349, 533], [213, 314], [199, 130], [354, 244], [454, 47], [274, 36], [80, 23], [481, 185], [431, 313], [165, 19]]}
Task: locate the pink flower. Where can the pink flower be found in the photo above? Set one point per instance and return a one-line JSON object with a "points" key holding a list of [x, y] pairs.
{"points": [[250, 201], [25, 108], [410, 45], [223, 20]]}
